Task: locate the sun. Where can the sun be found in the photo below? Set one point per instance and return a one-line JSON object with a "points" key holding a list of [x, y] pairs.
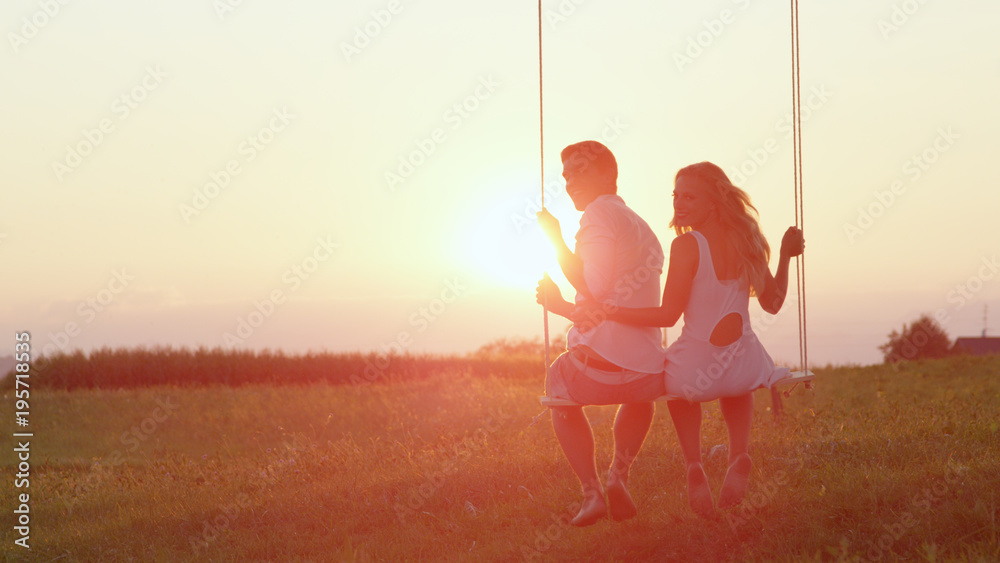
{"points": [[499, 237], [507, 247]]}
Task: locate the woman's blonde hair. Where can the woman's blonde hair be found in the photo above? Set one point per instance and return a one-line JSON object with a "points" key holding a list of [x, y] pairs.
{"points": [[739, 217]]}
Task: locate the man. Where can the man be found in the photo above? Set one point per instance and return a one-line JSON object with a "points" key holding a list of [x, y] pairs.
{"points": [[617, 262]]}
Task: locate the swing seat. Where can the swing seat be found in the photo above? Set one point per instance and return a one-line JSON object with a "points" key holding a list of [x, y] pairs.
{"points": [[796, 377], [559, 402], [793, 379], [547, 401]]}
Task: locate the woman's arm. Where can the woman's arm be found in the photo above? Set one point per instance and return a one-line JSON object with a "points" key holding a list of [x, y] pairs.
{"points": [[776, 286], [680, 275]]}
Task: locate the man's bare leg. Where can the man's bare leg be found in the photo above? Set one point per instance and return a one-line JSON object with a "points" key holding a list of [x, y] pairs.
{"points": [[577, 440], [631, 427]]}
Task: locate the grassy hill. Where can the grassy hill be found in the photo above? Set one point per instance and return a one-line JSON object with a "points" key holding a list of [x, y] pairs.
{"points": [[875, 463], [6, 365]]}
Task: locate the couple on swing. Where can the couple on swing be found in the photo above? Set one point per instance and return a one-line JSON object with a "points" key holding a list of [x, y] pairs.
{"points": [[614, 355]]}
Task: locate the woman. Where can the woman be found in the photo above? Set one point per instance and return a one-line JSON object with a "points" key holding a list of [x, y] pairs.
{"points": [[719, 259]]}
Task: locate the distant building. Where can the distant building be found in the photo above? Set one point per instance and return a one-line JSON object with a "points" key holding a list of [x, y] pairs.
{"points": [[977, 346]]}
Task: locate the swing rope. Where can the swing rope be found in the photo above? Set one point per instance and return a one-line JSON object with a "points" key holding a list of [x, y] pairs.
{"points": [[800, 272], [541, 168], [800, 267]]}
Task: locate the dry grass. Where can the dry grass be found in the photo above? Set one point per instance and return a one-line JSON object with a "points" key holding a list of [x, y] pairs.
{"points": [[874, 464]]}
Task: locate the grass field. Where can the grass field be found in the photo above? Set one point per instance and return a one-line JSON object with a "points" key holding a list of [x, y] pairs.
{"points": [[875, 463]]}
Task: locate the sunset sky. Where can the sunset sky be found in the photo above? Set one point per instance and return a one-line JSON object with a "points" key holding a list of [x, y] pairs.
{"points": [[349, 175]]}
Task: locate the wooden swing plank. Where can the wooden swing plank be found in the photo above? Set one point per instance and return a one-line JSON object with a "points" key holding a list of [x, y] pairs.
{"points": [[559, 402], [794, 378]]}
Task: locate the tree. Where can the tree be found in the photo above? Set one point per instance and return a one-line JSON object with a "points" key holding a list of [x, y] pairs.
{"points": [[923, 338], [509, 347]]}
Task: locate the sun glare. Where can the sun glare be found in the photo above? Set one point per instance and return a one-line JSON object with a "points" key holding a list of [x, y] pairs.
{"points": [[508, 248], [500, 238]]}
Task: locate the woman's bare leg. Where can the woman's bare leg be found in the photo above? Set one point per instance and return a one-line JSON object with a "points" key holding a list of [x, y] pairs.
{"points": [[738, 414], [687, 422]]}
